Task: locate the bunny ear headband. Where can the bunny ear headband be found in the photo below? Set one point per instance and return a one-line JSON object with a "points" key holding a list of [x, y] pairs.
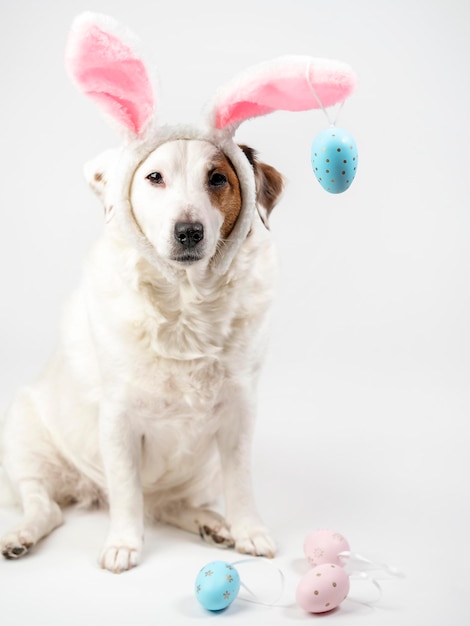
{"points": [[103, 61]]}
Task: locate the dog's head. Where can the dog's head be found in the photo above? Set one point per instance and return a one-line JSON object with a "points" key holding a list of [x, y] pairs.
{"points": [[186, 197], [178, 192]]}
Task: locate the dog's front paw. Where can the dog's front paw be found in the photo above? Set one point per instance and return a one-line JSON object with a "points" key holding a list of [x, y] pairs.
{"points": [[213, 529], [253, 539], [120, 555], [17, 543]]}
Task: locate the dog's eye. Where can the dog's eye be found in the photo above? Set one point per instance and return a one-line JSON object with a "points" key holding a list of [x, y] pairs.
{"points": [[155, 178], [217, 180]]}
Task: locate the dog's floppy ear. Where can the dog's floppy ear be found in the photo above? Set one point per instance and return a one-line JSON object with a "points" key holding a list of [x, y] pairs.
{"points": [[101, 60], [96, 174], [96, 171], [269, 184], [290, 83]]}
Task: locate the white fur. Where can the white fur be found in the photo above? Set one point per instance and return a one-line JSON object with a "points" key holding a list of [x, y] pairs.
{"points": [[150, 397]]}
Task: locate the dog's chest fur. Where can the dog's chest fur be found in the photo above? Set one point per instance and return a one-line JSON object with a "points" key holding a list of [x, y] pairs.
{"points": [[169, 352]]}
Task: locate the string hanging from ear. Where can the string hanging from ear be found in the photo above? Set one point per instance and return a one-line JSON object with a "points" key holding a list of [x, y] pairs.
{"points": [[317, 98], [334, 153]]}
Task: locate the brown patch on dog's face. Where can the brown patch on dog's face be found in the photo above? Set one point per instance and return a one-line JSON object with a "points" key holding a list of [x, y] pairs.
{"points": [[224, 190]]}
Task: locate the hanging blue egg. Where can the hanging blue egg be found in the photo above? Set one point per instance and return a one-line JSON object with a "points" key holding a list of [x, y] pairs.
{"points": [[217, 585], [334, 159]]}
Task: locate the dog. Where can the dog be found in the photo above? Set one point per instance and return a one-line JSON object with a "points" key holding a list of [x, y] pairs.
{"points": [[148, 405], [151, 394]]}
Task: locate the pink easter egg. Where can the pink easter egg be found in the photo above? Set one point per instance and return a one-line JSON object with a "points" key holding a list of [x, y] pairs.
{"points": [[323, 588], [323, 546]]}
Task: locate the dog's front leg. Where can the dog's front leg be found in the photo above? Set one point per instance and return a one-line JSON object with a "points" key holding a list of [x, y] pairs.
{"points": [[121, 450], [234, 441]]}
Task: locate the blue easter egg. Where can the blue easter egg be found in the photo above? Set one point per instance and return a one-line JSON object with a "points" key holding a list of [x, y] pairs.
{"points": [[217, 585], [334, 159]]}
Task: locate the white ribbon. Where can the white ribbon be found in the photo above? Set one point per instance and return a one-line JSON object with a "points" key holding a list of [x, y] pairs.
{"points": [[317, 98], [359, 567], [255, 599]]}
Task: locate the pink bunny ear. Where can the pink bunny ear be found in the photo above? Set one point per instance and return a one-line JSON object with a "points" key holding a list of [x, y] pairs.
{"points": [[108, 70], [292, 83]]}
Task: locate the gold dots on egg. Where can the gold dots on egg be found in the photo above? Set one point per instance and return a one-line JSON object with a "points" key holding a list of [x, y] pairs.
{"points": [[343, 173], [327, 171], [334, 584], [338, 149], [315, 593], [327, 604], [318, 574]]}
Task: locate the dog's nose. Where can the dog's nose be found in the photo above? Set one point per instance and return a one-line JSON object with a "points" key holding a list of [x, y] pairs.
{"points": [[189, 234]]}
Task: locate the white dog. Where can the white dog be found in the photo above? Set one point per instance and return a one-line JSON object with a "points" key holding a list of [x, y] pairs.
{"points": [[152, 378], [151, 396]]}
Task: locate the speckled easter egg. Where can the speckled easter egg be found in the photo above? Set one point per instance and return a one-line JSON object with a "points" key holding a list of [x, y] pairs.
{"points": [[217, 585], [334, 159], [323, 546], [323, 588]]}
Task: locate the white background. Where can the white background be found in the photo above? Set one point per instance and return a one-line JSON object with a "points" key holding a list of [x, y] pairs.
{"points": [[365, 395]]}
